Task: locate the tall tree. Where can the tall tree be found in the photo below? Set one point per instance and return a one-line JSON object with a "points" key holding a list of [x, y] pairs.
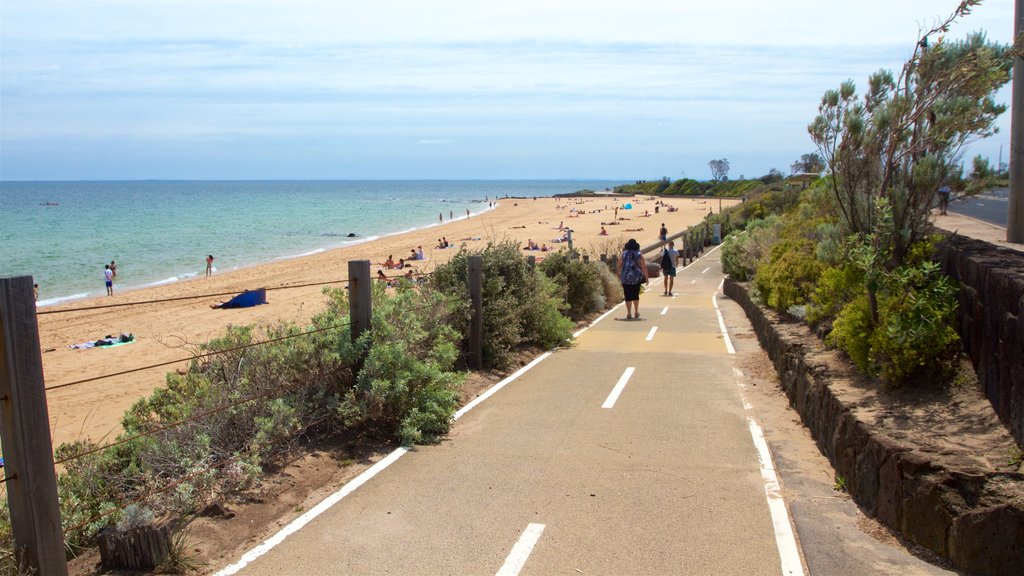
{"points": [[808, 164], [889, 152], [719, 170]]}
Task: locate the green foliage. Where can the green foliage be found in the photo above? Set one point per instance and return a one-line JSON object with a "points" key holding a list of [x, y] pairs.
{"points": [[808, 164], [407, 387], [520, 305], [905, 137], [914, 334], [852, 332], [837, 286], [789, 275], [743, 251], [580, 282]]}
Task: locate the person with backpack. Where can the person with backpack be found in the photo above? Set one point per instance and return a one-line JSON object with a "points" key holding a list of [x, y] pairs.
{"points": [[632, 273], [669, 261]]}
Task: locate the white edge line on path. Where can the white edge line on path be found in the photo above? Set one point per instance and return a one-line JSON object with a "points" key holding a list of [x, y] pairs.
{"points": [[664, 310], [521, 551], [785, 537], [650, 335], [493, 389], [352, 485], [704, 271], [721, 325], [619, 386], [323, 506]]}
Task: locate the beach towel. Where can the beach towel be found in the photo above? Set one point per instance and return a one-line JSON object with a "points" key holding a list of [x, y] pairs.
{"points": [[106, 342]]}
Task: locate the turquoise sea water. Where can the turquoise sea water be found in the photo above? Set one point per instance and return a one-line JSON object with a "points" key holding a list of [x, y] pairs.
{"points": [[161, 231]]}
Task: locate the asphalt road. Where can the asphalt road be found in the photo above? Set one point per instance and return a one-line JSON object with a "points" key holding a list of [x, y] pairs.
{"points": [[633, 452], [992, 207]]}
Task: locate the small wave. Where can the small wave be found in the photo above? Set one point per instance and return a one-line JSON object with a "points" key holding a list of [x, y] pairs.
{"points": [[310, 253], [173, 279], [61, 299]]}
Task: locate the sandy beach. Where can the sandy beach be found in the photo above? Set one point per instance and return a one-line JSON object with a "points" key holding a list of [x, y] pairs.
{"points": [[172, 330]]}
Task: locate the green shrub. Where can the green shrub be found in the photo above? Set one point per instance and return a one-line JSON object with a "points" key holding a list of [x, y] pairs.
{"points": [[852, 332], [579, 281], [743, 251], [916, 336], [788, 278], [407, 387], [837, 286], [520, 305]]}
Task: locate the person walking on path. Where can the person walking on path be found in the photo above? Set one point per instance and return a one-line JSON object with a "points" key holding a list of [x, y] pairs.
{"points": [[669, 262], [663, 233], [632, 272], [209, 265], [108, 278], [944, 192]]}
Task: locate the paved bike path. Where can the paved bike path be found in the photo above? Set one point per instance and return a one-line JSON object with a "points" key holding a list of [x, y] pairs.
{"points": [[663, 480]]}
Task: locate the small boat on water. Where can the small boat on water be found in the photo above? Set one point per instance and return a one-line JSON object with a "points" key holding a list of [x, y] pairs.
{"points": [[48, 203]]}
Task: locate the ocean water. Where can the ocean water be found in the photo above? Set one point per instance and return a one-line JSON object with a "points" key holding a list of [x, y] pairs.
{"points": [[161, 231]]}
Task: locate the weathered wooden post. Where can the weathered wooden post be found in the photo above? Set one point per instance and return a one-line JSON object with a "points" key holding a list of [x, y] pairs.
{"points": [[568, 235], [586, 258], [476, 324], [360, 306], [604, 258], [531, 261], [25, 433]]}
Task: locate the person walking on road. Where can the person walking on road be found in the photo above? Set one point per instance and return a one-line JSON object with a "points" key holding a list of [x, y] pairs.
{"points": [[669, 262], [632, 273], [944, 192]]}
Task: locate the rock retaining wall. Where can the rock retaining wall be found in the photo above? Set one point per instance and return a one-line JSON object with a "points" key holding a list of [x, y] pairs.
{"points": [[970, 513], [991, 304]]}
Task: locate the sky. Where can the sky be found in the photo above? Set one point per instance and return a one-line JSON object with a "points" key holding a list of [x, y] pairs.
{"points": [[439, 89]]}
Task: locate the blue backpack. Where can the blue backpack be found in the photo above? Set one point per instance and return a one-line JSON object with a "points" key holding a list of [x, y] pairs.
{"points": [[631, 272]]}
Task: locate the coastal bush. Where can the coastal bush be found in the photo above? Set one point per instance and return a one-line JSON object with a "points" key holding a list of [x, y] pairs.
{"points": [[744, 250], [209, 430], [407, 387], [520, 305], [579, 281], [789, 275], [914, 335], [837, 286], [610, 284]]}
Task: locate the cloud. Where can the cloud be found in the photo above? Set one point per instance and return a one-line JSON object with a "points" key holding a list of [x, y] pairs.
{"points": [[611, 84]]}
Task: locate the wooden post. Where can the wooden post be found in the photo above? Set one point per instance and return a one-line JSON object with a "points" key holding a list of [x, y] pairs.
{"points": [[586, 258], [604, 258], [476, 324], [531, 261], [25, 433], [568, 235], [360, 306]]}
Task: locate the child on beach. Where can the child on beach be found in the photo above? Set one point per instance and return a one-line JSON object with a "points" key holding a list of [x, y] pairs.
{"points": [[209, 265], [113, 268], [108, 279]]}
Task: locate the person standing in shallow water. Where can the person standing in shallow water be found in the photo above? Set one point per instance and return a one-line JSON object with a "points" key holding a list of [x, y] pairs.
{"points": [[108, 279], [632, 273], [209, 265]]}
